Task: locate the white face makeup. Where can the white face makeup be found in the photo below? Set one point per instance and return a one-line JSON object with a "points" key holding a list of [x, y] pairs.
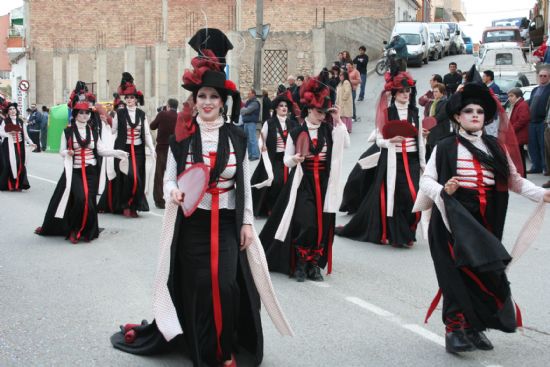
{"points": [[130, 100], [83, 116], [209, 103], [403, 95], [282, 109], [471, 117]]}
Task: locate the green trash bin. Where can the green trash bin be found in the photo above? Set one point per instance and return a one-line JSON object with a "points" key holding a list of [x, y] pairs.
{"points": [[57, 122]]}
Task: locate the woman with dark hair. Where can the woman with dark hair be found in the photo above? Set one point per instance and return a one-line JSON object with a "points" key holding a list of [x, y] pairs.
{"points": [[299, 233], [206, 288], [465, 185], [384, 215], [519, 116], [14, 134], [126, 193], [344, 99], [72, 210], [269, 177], [333, 82]]}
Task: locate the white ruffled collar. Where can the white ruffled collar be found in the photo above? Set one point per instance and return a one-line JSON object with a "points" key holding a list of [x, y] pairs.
{"points": [[471, 136], [282, 120], [401, 106], [210, 126], [81, 125], [312, 126], [132, 109]]}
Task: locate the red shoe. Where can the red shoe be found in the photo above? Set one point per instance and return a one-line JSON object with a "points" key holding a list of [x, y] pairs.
{"points": [[133, 214], [409, 244], [72, 238], [38, 230], [127, 213]]}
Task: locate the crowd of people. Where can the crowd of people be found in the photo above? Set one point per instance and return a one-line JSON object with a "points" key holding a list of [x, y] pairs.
{"points": [[446, 173]]}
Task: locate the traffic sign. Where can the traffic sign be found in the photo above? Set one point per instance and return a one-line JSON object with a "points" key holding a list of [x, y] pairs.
{"points": [[24, 85]]}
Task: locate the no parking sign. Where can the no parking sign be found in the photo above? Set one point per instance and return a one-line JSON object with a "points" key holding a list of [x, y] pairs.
{"points": [[24, 85]]}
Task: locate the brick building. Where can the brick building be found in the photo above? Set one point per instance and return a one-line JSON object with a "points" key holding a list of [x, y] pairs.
{"points": [[95, 41]]}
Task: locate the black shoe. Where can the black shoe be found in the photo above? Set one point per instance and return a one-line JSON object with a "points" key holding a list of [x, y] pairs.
{"points": [[300, 273], [314, 273], [532, 171], [456, 342], [159, 205], [359, 100], [479, 339], [546, 185]]}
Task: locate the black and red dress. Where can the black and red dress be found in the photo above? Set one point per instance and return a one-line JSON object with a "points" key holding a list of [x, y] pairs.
{"points": [[128, 191], [72, 209], [274, 135], [13, 176], [385, 213]]}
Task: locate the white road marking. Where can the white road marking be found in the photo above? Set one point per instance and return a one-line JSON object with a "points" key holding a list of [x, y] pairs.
{"points": [[42, 179], [425, 333], [320, 284], [153, 213]]}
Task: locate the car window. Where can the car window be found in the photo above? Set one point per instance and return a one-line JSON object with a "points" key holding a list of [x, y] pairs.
{"points": [[467, 39], [500, 36], [503, 59], [411, 39]]}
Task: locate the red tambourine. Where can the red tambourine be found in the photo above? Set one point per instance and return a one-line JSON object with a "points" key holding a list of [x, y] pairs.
{"points": [[429, 122], [193, 183], [399, 128], [302, 144]]}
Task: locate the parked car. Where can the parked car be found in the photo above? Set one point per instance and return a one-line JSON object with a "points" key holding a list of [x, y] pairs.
{"points": [[509, 80], [501, 34], [469, 46], [456, 45], [527, 91], [505, 58], [441, 29], [436, 49], [418, 40]]}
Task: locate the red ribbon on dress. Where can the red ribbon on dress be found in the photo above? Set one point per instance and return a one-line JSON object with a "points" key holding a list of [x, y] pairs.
{"points": [[85, 185], [133, 154], [433, 305], [214, 254], [20, 169], [384, 238], [481, 191], [318, 201], [412, 190], [110, 196], [285, 173]]}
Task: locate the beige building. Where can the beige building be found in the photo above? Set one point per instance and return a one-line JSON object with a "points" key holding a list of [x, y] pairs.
{"points": [[447, 10]]}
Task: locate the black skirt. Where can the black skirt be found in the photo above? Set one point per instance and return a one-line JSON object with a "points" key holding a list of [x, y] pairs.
{"points": [[7, 181], [190, 286], [73, 219], [126, 191], [264, 199], [358, 183], [470, 264], [371, 223]]}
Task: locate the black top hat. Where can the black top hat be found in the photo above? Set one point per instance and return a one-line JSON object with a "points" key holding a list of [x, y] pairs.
{"points": [[476, 93], [281, 98], [213, 79], [211, 39]]}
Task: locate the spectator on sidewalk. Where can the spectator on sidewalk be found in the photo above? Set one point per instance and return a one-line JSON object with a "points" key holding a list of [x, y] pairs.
{"points": [[541, 50], [518, 113], [344, 99], [355, 80], [399, 44], [547, 146], [34, 120], [538, 107], [346, 58], [165, 122], [427, 99], [452, 80], [488, 78], [361, 61], [251, 115], [44, 128], [333, 82], [296, 92], [266, 106]]}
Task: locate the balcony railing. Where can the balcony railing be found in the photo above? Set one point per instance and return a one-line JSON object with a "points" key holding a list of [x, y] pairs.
{"points": [[15, 42]]}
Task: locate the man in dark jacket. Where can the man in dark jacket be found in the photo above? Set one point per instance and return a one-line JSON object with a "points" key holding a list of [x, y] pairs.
{"points": [[399, 44], [44, 128], [165, 122], [35, 118], [251, 115], [488, 78], [266, 106], [537, 106], [361, 61], [452, 80]]}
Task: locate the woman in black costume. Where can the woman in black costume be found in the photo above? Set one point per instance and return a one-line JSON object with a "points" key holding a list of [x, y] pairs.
{"points": [[206, 287], [299, 233], [466, 184], [72, 210], [267, 183], [385, 213]]}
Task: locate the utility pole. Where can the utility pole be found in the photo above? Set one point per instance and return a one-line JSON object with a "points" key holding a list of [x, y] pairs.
{"points": [[258, 45]]}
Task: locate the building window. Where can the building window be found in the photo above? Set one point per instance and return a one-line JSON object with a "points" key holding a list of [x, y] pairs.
{"points": [[275, 67], [4, 74]]}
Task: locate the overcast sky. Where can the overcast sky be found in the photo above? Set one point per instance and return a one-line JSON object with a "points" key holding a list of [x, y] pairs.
{"points": [[7, 5]]}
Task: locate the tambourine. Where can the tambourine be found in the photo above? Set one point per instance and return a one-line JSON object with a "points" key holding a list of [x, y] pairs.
{"points": [[429, 122]]}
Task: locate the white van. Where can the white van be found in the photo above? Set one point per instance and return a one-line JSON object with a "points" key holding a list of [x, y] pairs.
{"points": [[417, 36], [443, 30]]}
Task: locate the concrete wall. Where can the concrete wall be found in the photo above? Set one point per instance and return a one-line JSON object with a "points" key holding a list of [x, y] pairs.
{"points": [[350, 34]]}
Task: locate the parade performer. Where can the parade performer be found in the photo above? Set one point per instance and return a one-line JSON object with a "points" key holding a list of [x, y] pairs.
{"points": [[212, 270], [126, 193], [72, 210], [14, 134], [465, 185], [271, 173], [384, 215], [299, 233]]}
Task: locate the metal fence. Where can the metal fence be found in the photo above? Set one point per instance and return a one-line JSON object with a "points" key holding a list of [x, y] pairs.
{"points": [[275, 67]]}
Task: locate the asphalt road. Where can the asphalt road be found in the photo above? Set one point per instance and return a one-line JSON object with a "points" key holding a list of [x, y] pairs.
{"points": [[59, 303]]}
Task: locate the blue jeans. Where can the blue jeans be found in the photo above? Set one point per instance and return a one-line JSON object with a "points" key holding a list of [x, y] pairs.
{"points": [[250, 130], [353, 94], [536, 146], [363, 84]]}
